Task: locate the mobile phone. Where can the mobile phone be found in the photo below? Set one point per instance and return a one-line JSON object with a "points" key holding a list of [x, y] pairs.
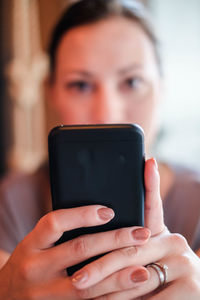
{"points": [[98, 164]]}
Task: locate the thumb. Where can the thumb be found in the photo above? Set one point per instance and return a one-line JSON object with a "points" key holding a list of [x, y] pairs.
{"points": [[153, 203]]}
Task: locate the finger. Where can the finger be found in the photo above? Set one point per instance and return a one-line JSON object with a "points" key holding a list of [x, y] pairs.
{"points": [[85, 247], [153, 203], [125, 279], [91, 245], [152, 284], [51, 227], [59, 289], [4, 256], [120, 259]]}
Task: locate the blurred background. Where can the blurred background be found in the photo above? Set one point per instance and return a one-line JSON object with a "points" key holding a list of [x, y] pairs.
{"points": [[25, 118]]}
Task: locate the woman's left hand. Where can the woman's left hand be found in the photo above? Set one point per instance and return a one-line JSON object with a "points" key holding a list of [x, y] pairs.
{"points": [[113, 276]]}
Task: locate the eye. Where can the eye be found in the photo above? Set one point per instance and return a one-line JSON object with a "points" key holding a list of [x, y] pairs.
{"points": [[133, 83], [79, 85]]}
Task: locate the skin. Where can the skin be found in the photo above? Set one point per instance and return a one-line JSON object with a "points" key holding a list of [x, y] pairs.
{"points": [[110, 78], [90, 87]]}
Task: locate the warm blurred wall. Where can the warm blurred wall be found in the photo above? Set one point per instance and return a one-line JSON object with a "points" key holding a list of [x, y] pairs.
{"points": [[5, 107], [50, 10], [25, 73], [25, 29]]}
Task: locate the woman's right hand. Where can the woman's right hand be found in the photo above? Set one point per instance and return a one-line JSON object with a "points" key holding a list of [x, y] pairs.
{"points": [[36, 268]]}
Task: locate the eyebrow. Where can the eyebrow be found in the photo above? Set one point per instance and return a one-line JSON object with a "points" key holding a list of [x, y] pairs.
{"points": [[130, 68], [77, 72], [121, 71]]}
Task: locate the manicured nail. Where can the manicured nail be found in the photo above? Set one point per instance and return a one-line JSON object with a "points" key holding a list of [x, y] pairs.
{"points": [[79, 277], [155, 163], [105, 213], [140, 275], [141, 234]]}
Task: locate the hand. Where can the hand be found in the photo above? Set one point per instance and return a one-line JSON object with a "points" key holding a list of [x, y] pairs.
{"points": [[4, 256], [36, 269], [113, 276]]}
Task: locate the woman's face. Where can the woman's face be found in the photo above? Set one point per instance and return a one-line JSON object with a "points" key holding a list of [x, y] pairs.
{"points": [[106, 72]]}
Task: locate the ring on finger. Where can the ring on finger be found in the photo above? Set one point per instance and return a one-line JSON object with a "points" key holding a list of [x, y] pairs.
{"points": [[161, 270]]}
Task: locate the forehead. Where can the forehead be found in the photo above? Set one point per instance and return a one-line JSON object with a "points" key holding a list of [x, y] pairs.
{"points": [[109, 43]]}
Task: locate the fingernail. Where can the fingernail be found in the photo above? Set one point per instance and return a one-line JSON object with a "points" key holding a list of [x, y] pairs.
{"points": [[139, 276], [79, 277], [105, 214], [155, 163], [141, 234]]}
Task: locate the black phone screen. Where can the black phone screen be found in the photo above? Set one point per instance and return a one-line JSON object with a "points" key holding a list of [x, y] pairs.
{"points": [[101, 164]]}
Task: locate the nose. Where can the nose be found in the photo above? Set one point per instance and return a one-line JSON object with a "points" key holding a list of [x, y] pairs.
{"points": [[108, 106]]}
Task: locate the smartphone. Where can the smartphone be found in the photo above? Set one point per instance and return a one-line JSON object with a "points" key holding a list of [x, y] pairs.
{"points": [[98, 164]]}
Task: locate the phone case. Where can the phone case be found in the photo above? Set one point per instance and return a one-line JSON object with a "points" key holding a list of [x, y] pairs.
{"points": [[98, 164]]}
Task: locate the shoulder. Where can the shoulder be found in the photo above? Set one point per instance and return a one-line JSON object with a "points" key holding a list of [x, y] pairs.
{"points": [[186, 180], [22, 202], [182, 204], [13, 179], [185, 186], [12, 185], [19, 191], [16, 183]]}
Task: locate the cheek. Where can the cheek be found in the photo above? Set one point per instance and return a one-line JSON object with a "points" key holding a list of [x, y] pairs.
{"points": [[140, 113], [144, 113], [71, 111]]}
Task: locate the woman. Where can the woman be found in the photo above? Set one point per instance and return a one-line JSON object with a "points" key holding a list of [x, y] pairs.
{"points": [[105, 68]]}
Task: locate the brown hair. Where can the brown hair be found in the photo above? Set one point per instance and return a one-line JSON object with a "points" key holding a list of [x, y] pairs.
{"points": [[84, 12]]}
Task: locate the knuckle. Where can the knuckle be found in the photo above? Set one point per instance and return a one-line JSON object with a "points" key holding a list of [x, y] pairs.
{"points": [[120, 236], [25, 270], [80, 246], [178, 241], [121, 282], [50, 221], [87, 215], [98, 266], [129, 252], [186, 261], [84, 294]]}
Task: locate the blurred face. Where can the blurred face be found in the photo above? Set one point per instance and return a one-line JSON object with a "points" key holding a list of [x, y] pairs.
{"points": [[106, 72]]}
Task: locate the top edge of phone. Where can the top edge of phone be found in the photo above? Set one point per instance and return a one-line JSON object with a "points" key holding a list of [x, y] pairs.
{"points": [[98, 132], [99, 126]]}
